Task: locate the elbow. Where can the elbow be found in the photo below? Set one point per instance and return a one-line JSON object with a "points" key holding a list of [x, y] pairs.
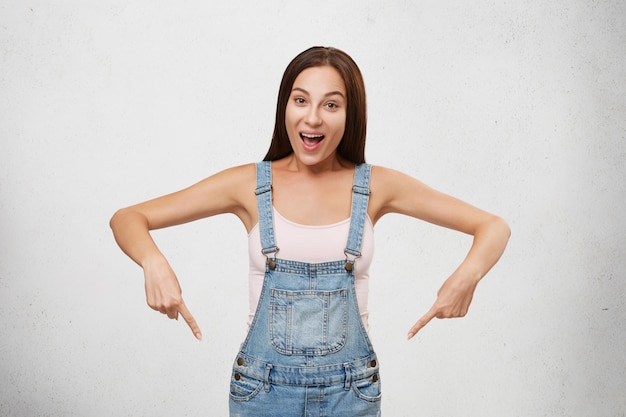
{"points": [[128, 217], [115, 219], [503, 228], [506, 227], [495, 227], [118, 218]]}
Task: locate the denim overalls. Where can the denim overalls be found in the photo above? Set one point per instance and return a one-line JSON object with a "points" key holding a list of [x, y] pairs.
{"points": [[307, 353]]}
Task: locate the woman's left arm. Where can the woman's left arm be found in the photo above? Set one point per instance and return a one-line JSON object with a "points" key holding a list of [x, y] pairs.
{"points": [[394, 192]]}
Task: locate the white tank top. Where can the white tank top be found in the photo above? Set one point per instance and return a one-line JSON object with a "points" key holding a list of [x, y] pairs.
{"points": [[311, 244]]}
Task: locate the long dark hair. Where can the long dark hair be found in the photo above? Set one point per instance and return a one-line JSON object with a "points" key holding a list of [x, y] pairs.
{"points": [[352, 145]]}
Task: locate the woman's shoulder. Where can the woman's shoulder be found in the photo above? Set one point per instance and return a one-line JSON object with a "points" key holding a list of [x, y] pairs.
{"points": [[243, 169], [390, 189], [387, 176], [231, 182], [234, 188], [238, 173]]}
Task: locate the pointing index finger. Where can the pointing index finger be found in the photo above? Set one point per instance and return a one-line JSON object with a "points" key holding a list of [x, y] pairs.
{"points": [[426, 318], [191, 322]]}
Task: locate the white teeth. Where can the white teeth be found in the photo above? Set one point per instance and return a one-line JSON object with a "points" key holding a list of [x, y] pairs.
{"points": [[309, 136]]}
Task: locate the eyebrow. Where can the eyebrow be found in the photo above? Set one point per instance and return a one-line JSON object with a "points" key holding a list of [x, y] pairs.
{"points": [[331, 93]]}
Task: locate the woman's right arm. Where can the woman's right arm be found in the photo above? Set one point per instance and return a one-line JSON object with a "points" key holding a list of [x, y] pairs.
{"points": [[230, 191]]}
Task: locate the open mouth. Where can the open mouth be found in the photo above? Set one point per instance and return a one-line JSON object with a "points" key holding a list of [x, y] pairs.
{"points": [[310, 139]]}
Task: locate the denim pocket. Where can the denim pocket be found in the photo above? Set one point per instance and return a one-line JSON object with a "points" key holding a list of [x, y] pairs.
{"points": [[308, 322], [368, 389], [243, 387]]}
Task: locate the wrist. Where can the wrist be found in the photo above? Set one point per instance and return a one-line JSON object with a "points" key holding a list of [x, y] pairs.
{"points": [[152, 261]]}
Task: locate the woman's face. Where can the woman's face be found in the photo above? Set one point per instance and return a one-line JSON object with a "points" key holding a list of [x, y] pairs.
{"points": [[315, 117]]}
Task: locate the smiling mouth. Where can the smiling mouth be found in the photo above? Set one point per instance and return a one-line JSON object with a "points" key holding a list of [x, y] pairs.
{"points": [[311, 139]]}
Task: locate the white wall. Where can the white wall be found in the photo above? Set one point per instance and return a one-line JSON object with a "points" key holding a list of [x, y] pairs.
{"points": [[517, 107]]}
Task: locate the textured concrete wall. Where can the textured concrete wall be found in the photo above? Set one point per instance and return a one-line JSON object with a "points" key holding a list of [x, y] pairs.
{"points": [[516, 107]]}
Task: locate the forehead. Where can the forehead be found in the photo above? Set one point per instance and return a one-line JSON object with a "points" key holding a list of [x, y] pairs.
{"points": [[322, 79]]}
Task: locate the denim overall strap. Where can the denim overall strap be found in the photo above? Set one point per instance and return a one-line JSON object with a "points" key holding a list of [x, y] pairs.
{"points": [[264, 207], [360, 198]]}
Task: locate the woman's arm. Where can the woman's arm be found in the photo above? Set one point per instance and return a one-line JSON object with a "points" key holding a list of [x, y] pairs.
{"points": [[394, 192], [230, 191]]}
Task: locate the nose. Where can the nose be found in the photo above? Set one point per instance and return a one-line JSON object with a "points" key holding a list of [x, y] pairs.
{"points": [[313, 117]]}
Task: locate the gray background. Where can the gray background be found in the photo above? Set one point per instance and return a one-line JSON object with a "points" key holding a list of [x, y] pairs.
{"points": [[517, 107]]}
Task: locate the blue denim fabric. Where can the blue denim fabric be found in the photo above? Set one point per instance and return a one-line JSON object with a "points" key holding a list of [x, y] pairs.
{"points": [[307, 352]]}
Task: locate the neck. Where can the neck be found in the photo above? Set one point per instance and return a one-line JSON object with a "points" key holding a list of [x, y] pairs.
{"points": [[332, 163]]}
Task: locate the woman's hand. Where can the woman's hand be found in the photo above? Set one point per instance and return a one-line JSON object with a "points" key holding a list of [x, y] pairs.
{"points": [[230, 191], [163, 294], [453, 300]]}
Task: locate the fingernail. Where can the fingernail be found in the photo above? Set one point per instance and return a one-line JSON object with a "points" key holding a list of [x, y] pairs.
{"points": [[410, 335], [199, 336]]}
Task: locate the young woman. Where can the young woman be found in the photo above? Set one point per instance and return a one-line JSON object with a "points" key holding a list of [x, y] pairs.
{"points": [[310, 208]]}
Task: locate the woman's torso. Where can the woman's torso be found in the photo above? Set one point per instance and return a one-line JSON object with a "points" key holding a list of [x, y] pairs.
{"points": [[311, 244]]}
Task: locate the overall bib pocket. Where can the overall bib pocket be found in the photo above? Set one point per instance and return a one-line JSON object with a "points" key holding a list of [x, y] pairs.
{"points": [[308, 322]]}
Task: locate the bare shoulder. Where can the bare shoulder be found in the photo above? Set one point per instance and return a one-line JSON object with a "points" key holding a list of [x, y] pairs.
{"points": [[389, 188], [235, 187], [386, 176], [226, 186], [238, 176], [382, 179]]}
